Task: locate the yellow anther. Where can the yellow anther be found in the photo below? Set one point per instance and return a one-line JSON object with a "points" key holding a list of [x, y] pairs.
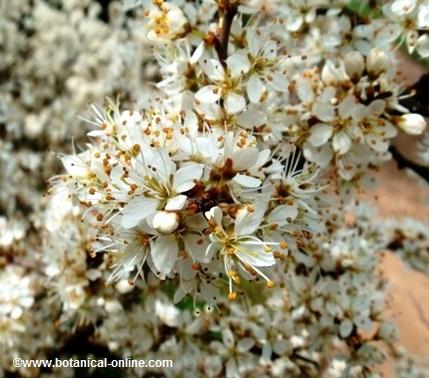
{"points": [[283, 245], [232, 273], [232, 296]]}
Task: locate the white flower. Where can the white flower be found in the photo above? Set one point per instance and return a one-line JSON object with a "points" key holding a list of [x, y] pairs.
{"points": [[238, 245], [264, 70], [167, 313], [16, 292], [413, 124], [225, 83], [166, 21], [73, 297], [160, 184]]}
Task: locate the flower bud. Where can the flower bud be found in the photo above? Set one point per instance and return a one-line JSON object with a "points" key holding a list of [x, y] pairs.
{"points": [[165, 223], [124, 286], [412, 123], [377, 62], [354, 64]]}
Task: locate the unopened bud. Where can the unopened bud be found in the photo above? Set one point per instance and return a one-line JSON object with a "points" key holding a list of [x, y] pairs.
{"points": [[377, 62], [354, 64], [412, 123], [165, 222]]}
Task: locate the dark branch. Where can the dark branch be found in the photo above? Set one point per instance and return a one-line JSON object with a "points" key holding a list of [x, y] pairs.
{"points": [[403, 162], [227, 12], [419, 103]]}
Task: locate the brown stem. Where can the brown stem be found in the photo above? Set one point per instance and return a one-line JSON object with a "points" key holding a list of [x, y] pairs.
{"points": [[419, 103], [227, 12], [403, 162]]}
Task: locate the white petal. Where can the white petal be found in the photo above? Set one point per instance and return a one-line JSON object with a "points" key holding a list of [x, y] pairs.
{"points": [[244, 345], [138, 209], [255, 255], [212, 248], [176, 203], [295, 23], [246, 222], [191, 122], [251, 118], [325, 112], [96, 133], [214, 213], [183, 179], [279, 82], [196, 222], [247, 181], [196, 245], [423, 46], [253, 42], [377, 107], [232, 369], [281, 213], [423, 19], [305, 90], [347, 106], [74, 166], [228, 338], [214, 69], [325, 155], [346, 328], [197, 53], [164, 253], [245, 158], [254, 88], [320, 134], [377, 144], [270, 50], [234, 103], [341, 142], [238, 64], [208, 94]]}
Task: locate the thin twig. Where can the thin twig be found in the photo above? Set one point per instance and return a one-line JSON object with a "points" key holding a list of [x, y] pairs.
{"points": [[227, 12], [419, 103], [403, 162]]}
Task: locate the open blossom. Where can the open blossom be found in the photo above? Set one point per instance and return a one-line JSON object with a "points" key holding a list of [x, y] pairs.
{"points": [[166, 21], [238, 247], [17, 292], [225, 83]]}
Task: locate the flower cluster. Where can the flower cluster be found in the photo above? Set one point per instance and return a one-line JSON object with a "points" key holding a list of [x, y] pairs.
{"points": [[346, 114], [411, 18], [182, 201], [285, 330]]}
